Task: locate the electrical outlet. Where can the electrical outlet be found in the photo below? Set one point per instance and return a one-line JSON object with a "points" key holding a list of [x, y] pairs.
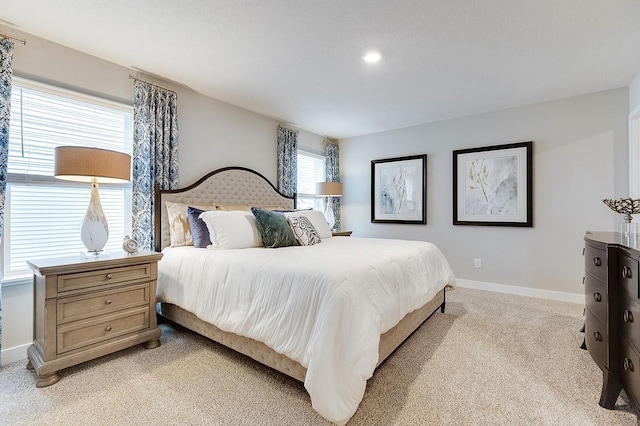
{"points": [[477, 263]]}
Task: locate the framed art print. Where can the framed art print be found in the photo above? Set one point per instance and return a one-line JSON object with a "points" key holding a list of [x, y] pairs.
{"points": [[493, 185], [399, 190]]}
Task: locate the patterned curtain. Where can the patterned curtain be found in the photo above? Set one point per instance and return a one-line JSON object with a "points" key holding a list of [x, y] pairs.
{"points": [[155, 153], [6, 71], [287, 161], [332, 174]]}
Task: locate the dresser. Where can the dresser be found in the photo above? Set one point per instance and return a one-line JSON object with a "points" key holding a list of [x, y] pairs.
{"points": [[612, 313], [87, 308]]}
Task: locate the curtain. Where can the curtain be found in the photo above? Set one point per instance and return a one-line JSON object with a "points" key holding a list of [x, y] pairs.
{"points": [[6, 57], [287, 161], [155, 154], [6, 71], [332, 174]]}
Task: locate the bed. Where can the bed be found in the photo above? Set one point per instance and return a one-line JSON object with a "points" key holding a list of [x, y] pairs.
{"points": [[299, 320]]}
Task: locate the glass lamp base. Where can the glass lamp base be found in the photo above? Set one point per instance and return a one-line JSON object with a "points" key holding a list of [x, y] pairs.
{"points": [[628, 229]]}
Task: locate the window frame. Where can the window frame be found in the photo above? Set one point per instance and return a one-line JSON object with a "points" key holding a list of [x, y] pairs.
{"points": [[318, 200], [8, 278], [634, 153]]}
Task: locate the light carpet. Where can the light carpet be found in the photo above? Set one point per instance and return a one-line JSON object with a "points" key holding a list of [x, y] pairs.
{"points": [[491, 359]]}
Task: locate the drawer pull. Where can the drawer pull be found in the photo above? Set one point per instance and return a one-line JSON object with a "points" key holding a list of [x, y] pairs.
{"points": [[627, 316], [597, 297], [597, 336], [107, 302], [108, 328], [626, 272], [627, 364], [597, 262], [108, 276]]}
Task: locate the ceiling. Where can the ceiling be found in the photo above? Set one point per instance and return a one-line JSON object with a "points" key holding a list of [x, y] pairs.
{"points": [[299, 61]]}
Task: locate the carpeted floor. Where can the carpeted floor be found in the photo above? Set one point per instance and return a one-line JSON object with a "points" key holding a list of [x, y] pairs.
{"points": [[491, 359]]}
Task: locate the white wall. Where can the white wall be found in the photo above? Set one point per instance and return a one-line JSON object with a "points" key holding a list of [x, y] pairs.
{"points": [[213, 134], [580, 157]]}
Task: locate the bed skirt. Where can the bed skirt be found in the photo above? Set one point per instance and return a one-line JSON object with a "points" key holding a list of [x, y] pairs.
{"points": [[260, 352]]}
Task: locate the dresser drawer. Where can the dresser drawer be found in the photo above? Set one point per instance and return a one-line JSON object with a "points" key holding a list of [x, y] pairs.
{"points": [[99, 277], [595, 296], [629, 318], [75, 308], [595, 262], [628, 274], [83, 333], [630, 368], [597, 339]]}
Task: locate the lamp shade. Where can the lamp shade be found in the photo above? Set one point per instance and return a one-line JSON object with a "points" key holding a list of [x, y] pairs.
{"points": [[333, 189], [83, 164]]}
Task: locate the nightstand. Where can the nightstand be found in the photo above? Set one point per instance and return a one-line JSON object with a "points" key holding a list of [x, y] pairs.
{"points": [[87, 308], [341, 233]]}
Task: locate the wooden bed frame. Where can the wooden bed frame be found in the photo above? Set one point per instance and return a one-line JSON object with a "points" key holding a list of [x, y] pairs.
{"points": [[236, 186]]}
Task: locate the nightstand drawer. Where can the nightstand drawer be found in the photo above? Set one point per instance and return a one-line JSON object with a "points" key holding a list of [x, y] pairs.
{"points": [[595, 262], [595, 295], [597, 339], [90, 305], [83, 333], [82, 280], [628, 274]]}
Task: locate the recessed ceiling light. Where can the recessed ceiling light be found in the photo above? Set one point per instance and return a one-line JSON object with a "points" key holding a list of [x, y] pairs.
{"points": [[372, 56]]}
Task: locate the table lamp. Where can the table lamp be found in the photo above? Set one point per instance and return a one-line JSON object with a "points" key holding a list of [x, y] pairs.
{"points": [[329, 189], [92, 165]]}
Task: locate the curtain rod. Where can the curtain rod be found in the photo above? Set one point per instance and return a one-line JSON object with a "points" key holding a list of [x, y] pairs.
{"points": [[8, 37], [131, 77]]}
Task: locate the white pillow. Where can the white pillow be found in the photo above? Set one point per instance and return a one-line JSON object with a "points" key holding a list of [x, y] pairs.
{"points": [[232, 229], [316, 218]]}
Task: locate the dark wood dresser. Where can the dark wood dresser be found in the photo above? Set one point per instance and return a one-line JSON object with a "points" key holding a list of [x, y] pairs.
{"points": [[612, 314]]}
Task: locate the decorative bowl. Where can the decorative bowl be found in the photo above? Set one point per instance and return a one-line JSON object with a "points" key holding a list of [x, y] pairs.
{"points": [[626, 206]]}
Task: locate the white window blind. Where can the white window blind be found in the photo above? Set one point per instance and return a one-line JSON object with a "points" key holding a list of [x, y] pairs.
{"points": [[43, 215], [311, 170]]}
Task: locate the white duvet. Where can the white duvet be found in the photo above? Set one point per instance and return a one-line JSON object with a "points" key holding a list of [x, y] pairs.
{"points": [[324, 306]]}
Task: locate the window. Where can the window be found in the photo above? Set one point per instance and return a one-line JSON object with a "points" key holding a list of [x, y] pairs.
{"points": [[311, 170], [634, 153], [43, 214]]}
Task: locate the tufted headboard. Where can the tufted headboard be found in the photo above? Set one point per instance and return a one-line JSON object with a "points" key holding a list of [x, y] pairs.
{"points": [[229, 185]]}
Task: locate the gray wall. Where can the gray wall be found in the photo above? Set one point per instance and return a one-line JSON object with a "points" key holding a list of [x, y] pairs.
{"points": [[213, 134], [580, 157]]}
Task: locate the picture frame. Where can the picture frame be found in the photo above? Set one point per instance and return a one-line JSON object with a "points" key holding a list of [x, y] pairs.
{"points": [[493, 185], [399, 190]]}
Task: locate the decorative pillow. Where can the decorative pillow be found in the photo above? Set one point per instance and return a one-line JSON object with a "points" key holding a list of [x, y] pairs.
{"points": [[274, 228], [303, 230], [232, 229], [179, 228], [199, 231], [316, 218]]}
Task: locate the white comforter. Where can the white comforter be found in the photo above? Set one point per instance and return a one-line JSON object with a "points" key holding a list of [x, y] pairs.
{"points": [[324, 306]]}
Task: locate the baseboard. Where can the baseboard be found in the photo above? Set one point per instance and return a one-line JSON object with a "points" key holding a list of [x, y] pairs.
{"points": [[16, 353], [522, 291]]}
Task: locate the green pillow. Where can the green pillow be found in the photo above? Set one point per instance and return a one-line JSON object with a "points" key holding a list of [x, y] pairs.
{"points": [[274, 228]]}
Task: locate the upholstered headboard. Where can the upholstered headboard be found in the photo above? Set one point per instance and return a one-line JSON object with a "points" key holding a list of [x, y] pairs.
{"points": [[229, 185]]}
